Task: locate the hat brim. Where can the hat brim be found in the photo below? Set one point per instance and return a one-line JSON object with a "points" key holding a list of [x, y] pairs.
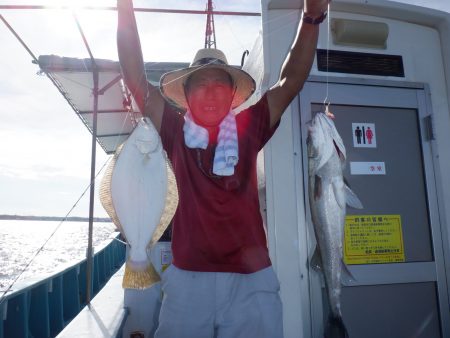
{"points": [[172, 84]]}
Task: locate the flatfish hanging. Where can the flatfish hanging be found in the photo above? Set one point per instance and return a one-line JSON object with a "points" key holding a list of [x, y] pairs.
{"points": [[139, 193]]}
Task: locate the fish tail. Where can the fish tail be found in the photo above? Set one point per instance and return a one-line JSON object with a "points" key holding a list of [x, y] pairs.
{"points": [[138, 277], [336, 328]]}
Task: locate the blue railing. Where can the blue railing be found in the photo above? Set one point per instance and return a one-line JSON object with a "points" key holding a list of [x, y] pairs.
{"points": [[42, 309]]}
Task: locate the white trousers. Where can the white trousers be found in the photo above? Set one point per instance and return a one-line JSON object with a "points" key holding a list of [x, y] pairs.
{"points": [[220, 305]]}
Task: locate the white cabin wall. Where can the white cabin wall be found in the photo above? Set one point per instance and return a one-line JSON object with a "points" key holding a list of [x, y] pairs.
{"points": [[423, 57], [441, 127], [444, 28], [286, 237], [421, 36], [426, 59]]}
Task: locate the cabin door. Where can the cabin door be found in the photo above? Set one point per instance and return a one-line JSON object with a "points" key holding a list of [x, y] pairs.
{"points": [[393, 246]]}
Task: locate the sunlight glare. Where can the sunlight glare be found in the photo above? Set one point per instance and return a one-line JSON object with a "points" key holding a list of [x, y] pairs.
{"points": [[79, 4]]}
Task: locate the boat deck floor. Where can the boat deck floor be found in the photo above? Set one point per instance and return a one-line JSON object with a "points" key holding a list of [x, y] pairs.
{"points": [[105, 315]]}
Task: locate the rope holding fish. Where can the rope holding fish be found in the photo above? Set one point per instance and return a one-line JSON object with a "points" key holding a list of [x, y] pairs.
{"points": [[326, 101]]}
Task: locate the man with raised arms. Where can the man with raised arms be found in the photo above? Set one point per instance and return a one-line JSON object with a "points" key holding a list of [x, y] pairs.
{"points": [[221, 282]]}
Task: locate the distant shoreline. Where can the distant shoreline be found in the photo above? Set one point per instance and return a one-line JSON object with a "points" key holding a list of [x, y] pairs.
{"points": [[52, 218]]}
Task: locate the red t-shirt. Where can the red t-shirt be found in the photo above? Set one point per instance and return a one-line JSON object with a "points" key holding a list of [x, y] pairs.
{"points": [[218, 226]]}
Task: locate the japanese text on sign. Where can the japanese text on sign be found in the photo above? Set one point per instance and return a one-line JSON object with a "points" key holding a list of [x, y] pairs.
{"points": [[371, 239], [367, 168]]}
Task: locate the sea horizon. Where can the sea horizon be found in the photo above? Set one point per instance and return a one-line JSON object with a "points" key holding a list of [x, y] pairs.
{"points": [[52, 218]]}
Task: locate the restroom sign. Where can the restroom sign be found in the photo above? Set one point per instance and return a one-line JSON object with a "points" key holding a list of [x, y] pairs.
{"points": [[364, 135]]}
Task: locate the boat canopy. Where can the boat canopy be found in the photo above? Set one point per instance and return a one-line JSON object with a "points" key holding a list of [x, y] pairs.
{"points": [[117, 112]]}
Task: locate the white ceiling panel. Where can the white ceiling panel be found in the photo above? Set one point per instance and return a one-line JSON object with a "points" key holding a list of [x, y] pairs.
{"points": [[74, 79]]}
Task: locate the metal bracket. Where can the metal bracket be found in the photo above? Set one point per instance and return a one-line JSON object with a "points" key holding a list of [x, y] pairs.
{"points": [[428, 125]]}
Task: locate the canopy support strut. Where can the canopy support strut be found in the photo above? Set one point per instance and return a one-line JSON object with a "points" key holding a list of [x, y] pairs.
{"points": [[146, 10], [90, 253]]}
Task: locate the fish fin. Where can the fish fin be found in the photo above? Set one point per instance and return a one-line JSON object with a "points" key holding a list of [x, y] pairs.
{"points": [[335, 328], [317, 187], [340, 149], [170, 205], [346, 275], [139, 277], [339, 193], [316, 260], [337, 139], [105, 191], [338, 143], [351, 198]]}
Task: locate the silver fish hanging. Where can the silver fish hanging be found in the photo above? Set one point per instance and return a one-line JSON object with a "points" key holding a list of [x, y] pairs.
{"points": [[328, 196]]}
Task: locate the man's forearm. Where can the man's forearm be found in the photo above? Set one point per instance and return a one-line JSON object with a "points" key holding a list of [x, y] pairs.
{"points": [[148, 98], [294, 71], [298, 62], [130, 53]]}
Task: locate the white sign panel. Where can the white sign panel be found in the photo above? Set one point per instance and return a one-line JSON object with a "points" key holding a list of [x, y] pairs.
{"points": [[367, 168], [364, 135], [166, 257]]}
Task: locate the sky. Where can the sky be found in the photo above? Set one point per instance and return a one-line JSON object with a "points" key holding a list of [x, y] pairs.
{"points": [[44, 147]]}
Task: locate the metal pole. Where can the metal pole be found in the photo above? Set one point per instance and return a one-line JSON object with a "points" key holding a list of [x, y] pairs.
{"points": [[149, 10], [89, 254], [90, 258], [19, 39]]}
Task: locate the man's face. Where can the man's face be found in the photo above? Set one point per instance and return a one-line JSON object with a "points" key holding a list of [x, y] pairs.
{"points": [[209, 93]]}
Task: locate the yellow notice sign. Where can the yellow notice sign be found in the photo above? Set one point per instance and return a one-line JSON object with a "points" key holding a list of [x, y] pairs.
{"points": [[372, 239]]}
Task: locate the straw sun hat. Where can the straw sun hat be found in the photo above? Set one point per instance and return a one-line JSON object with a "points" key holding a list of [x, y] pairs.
{"points": [[172, 83]]}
